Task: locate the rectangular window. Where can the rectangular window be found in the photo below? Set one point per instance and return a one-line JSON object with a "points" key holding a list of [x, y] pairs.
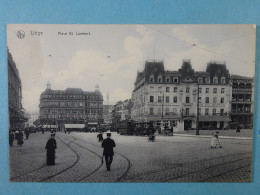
{"points": [[200, 90], [221, 112], [187, 111], [206, 111], [159, 98], [207, 100], [199, 99], [215, 90], [187, 99], [167, 111], [175, 80], [151, 111], [167, 99], [214, 112], [187, 90], [222, 100], [214, 100], [175, 99], [222, 90], [167, 89], [207, 90], [199, 111], [160, 89], [151, 98], [159, 111], [175, 89], [223, 81]]}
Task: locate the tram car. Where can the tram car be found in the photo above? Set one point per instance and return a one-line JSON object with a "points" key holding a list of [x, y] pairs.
{"points": [[126, 127], [135, 128]]}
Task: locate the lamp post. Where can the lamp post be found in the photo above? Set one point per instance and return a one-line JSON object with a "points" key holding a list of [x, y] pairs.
{"points": [[197, 119]]}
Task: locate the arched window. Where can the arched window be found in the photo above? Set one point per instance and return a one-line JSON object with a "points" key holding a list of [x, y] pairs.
{"points": [[151, 78], [207, 80], [215, 80], [223, 80], [159, 79], [167, 79]]}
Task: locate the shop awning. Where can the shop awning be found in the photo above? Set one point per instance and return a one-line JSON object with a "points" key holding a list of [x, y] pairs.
{"points": [[50, 126], [78, 126]]}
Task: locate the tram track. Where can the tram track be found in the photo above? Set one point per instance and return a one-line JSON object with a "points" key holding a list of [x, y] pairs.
{"points": [[118, 179], [62, 171], [135, 178]]}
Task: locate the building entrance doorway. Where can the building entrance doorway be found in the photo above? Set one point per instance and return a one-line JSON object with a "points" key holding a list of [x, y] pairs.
{"points": [[187, 124]]}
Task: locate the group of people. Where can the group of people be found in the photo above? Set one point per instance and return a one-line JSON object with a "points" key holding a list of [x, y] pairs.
{"points": [[19, 136]]}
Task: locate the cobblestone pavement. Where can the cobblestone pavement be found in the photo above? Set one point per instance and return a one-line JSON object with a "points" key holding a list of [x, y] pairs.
{"points": [[168, 159]]}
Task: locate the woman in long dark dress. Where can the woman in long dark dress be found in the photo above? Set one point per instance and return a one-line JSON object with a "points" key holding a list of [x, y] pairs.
{"points": [[51, 146]]}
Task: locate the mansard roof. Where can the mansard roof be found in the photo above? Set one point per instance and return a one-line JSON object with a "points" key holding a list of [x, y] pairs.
{"points": [[153, 68], [74, 91], [217, 69]]}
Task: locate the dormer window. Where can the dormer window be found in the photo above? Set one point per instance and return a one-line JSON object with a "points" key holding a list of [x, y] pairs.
{"points": [[223, 80], [199, 80], [151, 79], [207, 80], [159, 79], [215, 80], [167, 79], [175, 79]]}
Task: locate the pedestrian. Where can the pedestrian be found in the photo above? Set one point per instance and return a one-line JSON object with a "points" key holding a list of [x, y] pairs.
{"points": [[51, 145], [11, 138], [42, 130], [100, 137], [214, 140], [27, 133], [238, 129], [20, 138], [108, 144]]}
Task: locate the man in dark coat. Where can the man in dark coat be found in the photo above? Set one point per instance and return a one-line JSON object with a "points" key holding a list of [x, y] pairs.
{"points": [[108, 144], [100, 137], [27, 133], [20, 138], [51, 146]]}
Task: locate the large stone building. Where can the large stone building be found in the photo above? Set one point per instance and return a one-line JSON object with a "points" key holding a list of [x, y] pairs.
{"points": [[16, 112], [71, 106], [242, 105], [171, 98]]}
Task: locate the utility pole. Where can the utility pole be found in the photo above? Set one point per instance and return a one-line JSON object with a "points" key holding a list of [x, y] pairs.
{"points": [[197, 120]]}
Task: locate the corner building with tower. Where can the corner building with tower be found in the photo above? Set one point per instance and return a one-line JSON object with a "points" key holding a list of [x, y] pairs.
{"points": [[183, 99]]}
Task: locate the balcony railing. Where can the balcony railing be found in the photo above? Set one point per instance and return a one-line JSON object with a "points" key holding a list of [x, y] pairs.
{"points": [[242, 89]]}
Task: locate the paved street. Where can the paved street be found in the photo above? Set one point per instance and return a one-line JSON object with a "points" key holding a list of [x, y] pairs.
{"points": [[169, 159]]}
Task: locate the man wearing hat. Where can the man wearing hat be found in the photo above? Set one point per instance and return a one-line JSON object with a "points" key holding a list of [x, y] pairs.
{"points": [[108, 144]]}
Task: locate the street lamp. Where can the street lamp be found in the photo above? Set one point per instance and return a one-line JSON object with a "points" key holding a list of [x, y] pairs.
{"points": [[197, 120]]}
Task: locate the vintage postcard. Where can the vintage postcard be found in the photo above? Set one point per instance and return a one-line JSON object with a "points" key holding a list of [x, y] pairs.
{"points": [[130, 103]]}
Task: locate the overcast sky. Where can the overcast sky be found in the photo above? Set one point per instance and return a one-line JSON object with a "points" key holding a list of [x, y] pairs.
{"points": [[111, 55]]}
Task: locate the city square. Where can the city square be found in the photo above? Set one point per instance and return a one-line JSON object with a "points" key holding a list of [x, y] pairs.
{"points": [[178, 158], [151, 103]]}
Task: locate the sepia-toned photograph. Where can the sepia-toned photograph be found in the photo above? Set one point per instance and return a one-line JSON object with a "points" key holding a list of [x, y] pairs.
{"points": [[122, 103]]}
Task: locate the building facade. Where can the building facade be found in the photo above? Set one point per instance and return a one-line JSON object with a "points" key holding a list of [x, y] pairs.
{"points": [[16, 113], [242, 105], [171, 98], [70, 106], [107, 113]]}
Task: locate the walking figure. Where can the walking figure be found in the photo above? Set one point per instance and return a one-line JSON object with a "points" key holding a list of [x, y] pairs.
{"points": [[100, 137], [20, 138], [51, 146], [27, 133], [108, 144], [214, 141], [11, 138]]}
